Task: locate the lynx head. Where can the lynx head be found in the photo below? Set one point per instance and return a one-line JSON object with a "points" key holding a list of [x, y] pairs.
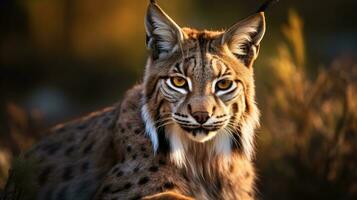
{"points": [[199, 86]]}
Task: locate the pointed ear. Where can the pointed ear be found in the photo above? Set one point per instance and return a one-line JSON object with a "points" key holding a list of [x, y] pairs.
{"points": [[243, 38], [163, 35]]}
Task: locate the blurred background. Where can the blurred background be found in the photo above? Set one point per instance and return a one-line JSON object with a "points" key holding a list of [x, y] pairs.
{"points": [[60, 59]]}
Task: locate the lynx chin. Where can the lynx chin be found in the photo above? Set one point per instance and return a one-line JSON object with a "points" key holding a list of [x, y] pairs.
{"points": [[186, 132]]}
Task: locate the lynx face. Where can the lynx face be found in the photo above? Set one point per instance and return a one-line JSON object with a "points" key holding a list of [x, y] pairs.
{"points": [[202, 91], [199, 84]]}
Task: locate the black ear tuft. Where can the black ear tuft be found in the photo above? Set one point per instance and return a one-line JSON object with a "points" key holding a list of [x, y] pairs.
{"points": [[266, 5]]}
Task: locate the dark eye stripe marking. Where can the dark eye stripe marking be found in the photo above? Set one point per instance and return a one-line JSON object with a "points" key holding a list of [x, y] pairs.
{"points": [[227, 73], [234, 94], [169, 95], [178, 69]]}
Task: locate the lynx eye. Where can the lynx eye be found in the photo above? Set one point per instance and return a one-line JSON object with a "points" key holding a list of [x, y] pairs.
{"points": [[178, 81], [224, 84]]}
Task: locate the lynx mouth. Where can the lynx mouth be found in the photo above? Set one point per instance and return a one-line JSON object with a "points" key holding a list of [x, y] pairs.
{"points": [[200, 135], [197, 131], [200, 130]]}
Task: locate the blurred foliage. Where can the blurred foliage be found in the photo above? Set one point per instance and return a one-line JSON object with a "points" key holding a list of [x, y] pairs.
{"points": [[24, 130], [22, 184], [62, 58], [309, 133]]}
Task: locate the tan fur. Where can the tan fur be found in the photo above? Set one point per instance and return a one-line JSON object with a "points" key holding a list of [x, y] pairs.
{"points": [[139, 149]]}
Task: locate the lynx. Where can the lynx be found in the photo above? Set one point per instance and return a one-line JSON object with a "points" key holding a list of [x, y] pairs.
{"points": [[186, 132]]}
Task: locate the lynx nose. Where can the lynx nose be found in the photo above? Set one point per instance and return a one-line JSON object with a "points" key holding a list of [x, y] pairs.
{"points": [[201, 117]]}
